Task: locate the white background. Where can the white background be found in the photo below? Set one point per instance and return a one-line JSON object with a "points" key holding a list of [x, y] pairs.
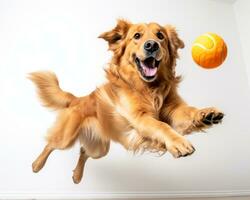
{"points": [[62, 36], [241, 9]]}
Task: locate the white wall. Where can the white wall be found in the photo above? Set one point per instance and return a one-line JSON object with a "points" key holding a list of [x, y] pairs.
{"points": [[62, 36], [242, 13]]}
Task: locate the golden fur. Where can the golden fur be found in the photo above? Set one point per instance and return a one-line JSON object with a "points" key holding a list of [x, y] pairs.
{"points": [[138, 111]]}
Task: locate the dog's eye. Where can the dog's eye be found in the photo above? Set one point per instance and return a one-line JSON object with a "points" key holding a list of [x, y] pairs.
{"points": [[160, 35], [137, 36]]}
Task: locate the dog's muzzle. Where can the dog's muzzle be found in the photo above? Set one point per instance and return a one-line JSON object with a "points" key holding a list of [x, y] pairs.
{"points": [[148, 68]]}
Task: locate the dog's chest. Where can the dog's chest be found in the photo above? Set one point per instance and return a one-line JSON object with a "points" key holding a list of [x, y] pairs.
{"points": [[157, 102]]}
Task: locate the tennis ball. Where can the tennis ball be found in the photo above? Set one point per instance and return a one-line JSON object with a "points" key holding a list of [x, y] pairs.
{"points": [[209, 50]]}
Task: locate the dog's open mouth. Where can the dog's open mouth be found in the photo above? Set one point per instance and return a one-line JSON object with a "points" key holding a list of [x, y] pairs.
{"points": [[148, 67]]}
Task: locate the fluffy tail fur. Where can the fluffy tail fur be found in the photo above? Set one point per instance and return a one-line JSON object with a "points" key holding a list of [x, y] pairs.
{"points": [[49, 91]]}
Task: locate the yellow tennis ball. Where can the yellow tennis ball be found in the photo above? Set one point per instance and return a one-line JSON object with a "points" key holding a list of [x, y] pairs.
{"points": [[209, 50]]}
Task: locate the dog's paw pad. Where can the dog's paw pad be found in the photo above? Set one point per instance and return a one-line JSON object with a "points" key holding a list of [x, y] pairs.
{"points": [[209, 116]]}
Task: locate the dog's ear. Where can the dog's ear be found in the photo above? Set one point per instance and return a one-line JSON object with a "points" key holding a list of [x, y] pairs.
{"points": [[117, 34], [175, 42]]}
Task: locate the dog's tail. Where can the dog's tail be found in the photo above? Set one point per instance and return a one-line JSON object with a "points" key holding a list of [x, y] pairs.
{"points": [[49, 91]]}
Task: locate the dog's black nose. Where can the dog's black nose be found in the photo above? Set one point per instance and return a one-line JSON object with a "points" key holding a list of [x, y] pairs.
{"points": [[151, 46]]}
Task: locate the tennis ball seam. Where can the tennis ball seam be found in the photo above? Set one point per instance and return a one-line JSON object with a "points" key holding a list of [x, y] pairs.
{"points": [[202, 46]]}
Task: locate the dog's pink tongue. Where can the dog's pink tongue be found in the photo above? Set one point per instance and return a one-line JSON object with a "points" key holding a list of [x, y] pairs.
{"points": [[149, 71]]}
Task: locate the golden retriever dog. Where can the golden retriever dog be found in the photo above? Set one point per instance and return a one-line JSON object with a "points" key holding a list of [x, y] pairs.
{"points": [[138, 107]]}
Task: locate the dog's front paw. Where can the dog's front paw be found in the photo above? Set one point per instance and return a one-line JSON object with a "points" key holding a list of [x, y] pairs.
{"points": [[180, 147], [208, 117]]}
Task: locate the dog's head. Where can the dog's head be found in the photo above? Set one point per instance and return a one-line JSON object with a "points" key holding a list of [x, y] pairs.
{"points": [[148, 49]]}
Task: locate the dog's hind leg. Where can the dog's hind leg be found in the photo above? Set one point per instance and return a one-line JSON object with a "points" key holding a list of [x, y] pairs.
{"points": [[93, 146], [38, 164], [78, 171], [61, 136]]}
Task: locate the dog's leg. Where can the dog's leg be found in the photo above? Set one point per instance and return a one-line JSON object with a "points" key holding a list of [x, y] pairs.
{"points": [[38, 164], [61, 136], [188, 119], [185, 119], [148, 126], [78, 171]]}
